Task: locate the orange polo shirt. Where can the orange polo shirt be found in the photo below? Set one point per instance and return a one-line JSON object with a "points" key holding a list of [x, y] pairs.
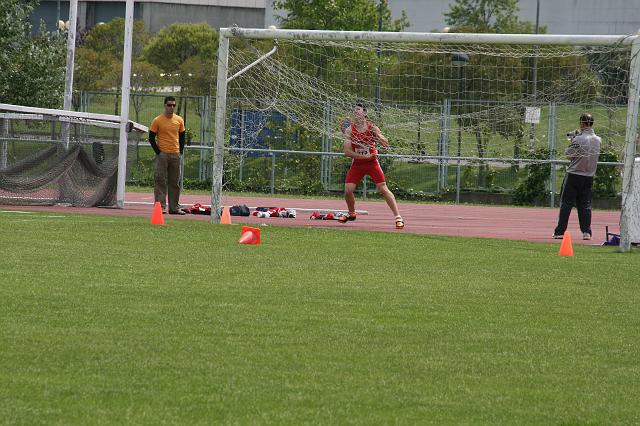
{"points": [[166, 130]]}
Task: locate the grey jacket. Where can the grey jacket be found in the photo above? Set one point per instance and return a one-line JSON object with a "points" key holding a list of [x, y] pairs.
{"points": [[583, 153]]}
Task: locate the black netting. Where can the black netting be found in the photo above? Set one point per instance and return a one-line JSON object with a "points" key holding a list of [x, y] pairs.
{"points": [[40, 165]]}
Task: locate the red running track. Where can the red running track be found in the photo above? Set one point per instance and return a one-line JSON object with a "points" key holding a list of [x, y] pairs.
{"points": [[509, 223]]}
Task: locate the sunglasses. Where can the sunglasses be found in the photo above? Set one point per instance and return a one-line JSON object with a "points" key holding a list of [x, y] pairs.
{"points": [[170, 105]]}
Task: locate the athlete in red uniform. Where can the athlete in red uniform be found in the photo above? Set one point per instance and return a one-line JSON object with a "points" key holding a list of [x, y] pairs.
{"points": [[360, 144]]}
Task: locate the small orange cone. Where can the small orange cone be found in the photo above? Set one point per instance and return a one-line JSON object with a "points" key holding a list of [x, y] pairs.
{"points": [[566, 249], [156, 217], [250, 235], [225, 219]]}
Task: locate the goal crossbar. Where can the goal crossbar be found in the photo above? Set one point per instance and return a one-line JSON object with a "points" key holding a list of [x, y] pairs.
{"points": [[35, 113], [444, 38]]}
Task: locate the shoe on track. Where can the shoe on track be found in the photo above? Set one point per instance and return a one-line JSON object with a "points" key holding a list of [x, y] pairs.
{"points": [[347, 218]]}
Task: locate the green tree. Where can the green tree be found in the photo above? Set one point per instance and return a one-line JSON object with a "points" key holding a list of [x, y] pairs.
{"points": [[493, 16], [197, 75], [32, 67], [334, 65], [108, 38], [499, 16], [343, 15], [98, 61], [94, 70], [144, 77], [174, 44]]}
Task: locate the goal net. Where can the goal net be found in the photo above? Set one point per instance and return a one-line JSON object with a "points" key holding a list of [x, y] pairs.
{"points": [[52, 156], [443, 100]]}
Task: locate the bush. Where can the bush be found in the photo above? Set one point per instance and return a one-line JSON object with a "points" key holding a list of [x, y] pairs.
{"points": [[607, 179], [533, 188]]}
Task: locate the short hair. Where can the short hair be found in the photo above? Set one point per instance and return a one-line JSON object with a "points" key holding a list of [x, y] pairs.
{"points": [[169, 98], [587, 119], [361, 104]]}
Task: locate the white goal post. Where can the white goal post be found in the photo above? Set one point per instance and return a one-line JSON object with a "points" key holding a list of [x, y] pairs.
{"points": [[20, 112], [384, 45]]}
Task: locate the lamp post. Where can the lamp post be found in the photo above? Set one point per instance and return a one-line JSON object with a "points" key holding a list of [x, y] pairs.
{"points": [[459, 60]]}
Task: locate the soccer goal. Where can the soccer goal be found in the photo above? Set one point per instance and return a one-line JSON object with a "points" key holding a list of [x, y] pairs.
{"points": [[444, 100], [50, 156]]}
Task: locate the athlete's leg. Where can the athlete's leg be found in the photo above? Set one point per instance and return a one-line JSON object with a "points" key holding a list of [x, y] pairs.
{"points": [[377, 175], [349, 197], [354, 176], [388, 197]]}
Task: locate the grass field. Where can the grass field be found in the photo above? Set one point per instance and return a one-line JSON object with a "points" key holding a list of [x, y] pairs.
{"points": [[112, 320]]}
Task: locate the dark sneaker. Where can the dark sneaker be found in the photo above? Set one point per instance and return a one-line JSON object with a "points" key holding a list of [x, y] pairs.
{"points": [[347, 218], [178, 212]]}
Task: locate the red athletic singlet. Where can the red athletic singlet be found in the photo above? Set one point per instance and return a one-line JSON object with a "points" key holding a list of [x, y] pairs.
{"points": [[363, 142]]}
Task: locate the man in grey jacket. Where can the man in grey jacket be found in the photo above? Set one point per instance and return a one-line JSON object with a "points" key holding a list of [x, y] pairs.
{"points": [[583, 153]]}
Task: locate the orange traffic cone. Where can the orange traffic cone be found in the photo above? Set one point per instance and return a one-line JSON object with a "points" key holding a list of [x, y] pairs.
{"points": [[225, 219], [566, 249], [250, 235], [156, 216]]}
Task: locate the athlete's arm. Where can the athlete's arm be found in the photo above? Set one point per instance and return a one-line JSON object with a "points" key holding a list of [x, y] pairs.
{"points": [[381, 138]]}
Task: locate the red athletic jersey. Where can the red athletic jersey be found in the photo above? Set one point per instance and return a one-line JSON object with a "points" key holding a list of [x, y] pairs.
{"points": [[363, 142]]}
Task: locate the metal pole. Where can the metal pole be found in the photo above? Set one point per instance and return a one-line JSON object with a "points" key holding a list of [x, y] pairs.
{"points": [[273, 172], [329, 160], [68, 81], [447, 38], [534, 78], [323, 144], [58, 17], [364, 188], [552, 121], [378, 68], [626, 217], [218, 144], [458, 104], [242, 154], [4, 147], [124, 103]]}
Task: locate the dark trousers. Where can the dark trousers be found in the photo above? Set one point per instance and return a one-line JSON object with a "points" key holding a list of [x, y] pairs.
{"points": [[576, 191], [167, 177]]}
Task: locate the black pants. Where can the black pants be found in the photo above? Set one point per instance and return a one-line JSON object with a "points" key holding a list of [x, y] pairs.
{"points": [[576, 191]]}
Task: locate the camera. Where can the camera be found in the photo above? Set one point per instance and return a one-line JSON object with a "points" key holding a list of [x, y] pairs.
{"points": [[573, 134]]}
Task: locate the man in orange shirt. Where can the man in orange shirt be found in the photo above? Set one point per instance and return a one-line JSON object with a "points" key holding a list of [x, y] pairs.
{"points": [[167, 137]]}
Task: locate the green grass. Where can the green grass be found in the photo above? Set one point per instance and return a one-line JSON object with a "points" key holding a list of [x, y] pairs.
{"points": [[112, 320]]}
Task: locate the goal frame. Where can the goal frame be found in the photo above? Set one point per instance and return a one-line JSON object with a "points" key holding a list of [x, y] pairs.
{"points": [[443, 38]]}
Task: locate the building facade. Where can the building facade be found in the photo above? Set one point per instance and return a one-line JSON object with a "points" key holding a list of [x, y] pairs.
{"points": [[559, 16], [156, 14]]}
